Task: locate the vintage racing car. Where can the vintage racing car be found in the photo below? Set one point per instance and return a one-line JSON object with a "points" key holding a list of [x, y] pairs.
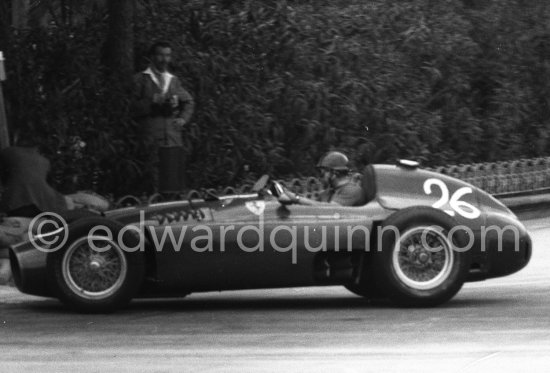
{"points": [[419, 237]]}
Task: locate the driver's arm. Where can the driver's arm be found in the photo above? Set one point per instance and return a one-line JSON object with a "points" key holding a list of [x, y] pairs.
{"points": [[305, 201]]}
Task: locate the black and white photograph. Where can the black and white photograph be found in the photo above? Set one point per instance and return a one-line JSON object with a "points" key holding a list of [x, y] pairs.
{"points": [[274, 186]]}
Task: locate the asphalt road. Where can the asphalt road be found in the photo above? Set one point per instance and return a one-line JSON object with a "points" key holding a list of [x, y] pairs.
{"points": [[496, 325]]}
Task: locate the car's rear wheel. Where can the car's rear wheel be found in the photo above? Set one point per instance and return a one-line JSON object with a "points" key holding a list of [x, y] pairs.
{"points": [[422, 261], [96, 273], [366, 290], [365, 285]]}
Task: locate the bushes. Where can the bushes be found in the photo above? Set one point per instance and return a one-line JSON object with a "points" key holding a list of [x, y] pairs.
{"points": [[278, 83]]}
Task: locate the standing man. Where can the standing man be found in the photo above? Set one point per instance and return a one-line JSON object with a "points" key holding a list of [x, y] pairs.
{"points": [[162, 108]]}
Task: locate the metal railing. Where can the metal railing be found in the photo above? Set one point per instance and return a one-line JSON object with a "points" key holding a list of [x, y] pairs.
{"points": [[498, 178]]}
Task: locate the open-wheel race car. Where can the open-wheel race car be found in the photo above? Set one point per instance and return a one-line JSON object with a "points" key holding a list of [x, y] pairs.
{"points": [[419, 237]]}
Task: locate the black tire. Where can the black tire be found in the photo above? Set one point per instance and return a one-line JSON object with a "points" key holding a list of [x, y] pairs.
{"points": [[368, 291], [367, 287], [418, 276], [96, 281]]}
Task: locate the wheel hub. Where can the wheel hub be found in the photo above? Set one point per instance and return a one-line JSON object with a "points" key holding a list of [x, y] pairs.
{"points": [[418, 255], [94, 275], [423, 258], [95, 264]]}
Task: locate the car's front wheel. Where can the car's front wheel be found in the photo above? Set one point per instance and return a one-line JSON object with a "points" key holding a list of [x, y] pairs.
{"points": [[422, 261], [96, 272]]}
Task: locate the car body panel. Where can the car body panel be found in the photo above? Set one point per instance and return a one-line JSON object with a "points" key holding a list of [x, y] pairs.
{"points": [[237, 257], [399, 188]]}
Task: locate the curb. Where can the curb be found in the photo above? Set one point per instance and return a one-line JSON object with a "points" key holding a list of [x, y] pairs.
{"points": [[528, 206], [526, 201]]}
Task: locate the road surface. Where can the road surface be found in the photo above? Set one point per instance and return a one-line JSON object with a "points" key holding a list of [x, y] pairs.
{"points": [[496, 325]]}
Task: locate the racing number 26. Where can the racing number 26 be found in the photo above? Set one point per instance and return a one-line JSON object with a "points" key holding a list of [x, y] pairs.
{"points": [[462, 208]]}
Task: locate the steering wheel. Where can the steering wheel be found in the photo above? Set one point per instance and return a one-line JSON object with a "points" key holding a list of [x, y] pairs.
{"points": [[277, 189], [280, 193]]}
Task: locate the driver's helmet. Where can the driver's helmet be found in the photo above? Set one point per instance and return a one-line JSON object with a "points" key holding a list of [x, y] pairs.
{"points": [[334, 161]]}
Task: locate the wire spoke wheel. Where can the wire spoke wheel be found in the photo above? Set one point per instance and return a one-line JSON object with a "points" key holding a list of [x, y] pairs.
{"points": [[92, 273], [423, 257], [419, 264], [94, 267]]}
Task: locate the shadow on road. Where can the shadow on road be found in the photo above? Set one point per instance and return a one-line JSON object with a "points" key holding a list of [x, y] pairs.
{"points": [[252, 303]]}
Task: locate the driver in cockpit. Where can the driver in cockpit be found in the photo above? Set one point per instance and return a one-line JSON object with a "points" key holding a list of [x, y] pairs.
{"points": [[340, 186]]}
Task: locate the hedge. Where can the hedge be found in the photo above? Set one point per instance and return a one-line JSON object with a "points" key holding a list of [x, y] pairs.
{"points": [[278, 83]]}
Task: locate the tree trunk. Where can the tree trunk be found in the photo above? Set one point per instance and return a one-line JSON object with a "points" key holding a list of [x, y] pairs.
{"points": [[5, 23], [4, 133], [118, 55]]}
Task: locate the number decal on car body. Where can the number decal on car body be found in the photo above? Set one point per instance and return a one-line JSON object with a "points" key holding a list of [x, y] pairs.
{"points": [[462, 208]]}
